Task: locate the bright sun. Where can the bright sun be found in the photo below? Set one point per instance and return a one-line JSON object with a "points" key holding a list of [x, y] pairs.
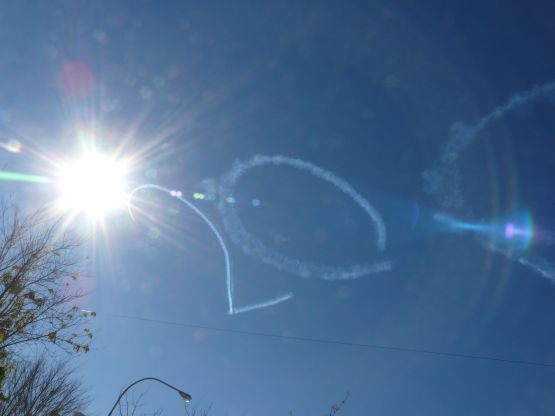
{"points": [[93, 184]]}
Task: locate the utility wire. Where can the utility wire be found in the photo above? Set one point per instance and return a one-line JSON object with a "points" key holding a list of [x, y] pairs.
{"points": [[343, 343]]}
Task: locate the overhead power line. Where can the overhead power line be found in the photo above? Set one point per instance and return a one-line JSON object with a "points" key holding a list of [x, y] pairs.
{"points": [[343, 343]]}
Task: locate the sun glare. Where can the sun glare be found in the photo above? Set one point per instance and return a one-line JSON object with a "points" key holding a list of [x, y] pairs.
{"points": [[93, 184]]}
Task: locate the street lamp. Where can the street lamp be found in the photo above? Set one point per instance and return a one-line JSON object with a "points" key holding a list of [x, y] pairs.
{"points": [[185, 396]]}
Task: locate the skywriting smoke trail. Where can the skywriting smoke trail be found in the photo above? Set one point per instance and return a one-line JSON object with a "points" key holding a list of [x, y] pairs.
{"points": [[229, 277], [252, 246], [443, 182]]}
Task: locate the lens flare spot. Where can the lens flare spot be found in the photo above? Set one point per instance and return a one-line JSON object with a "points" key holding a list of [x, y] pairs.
{"points": [[509, 230], [12, 146], [154, 233], [77, 79]]}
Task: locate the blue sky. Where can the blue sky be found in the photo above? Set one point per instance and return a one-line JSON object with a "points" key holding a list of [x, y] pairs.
{"points": [[366, 90]]}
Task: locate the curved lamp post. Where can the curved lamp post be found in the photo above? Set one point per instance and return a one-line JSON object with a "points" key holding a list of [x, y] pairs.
{"points": [[185, 396]]}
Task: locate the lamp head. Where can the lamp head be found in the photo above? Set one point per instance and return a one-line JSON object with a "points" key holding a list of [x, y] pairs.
{"points": [[185, 396]]}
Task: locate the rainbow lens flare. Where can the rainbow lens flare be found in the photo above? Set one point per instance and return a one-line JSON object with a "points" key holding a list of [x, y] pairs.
{"points": [[520, 232], [22, 177]]}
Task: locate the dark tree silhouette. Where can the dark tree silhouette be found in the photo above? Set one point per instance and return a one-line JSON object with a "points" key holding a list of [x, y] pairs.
{"points": [[38, 265], [42, 388]]}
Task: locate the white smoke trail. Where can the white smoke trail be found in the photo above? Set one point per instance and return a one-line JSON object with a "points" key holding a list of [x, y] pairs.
{"points": [[443, 182], [252, 246], [229, 277], [537, 263], [260, 305]]}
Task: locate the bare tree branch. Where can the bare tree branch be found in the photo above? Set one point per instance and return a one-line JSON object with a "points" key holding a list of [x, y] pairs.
{"points": [[38, 267], [39, 388], [129, 406], [334, 408]]}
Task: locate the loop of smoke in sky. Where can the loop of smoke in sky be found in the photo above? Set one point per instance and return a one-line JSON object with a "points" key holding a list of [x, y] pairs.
{"points": [[252, 246], [443, 182]]}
